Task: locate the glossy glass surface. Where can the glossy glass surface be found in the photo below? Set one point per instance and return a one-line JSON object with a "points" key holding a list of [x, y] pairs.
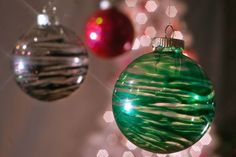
{"points": [[163, 102], [109, 33], [49, 62]]}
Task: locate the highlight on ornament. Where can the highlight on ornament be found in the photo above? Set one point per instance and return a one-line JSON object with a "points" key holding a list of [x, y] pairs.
{"points": [[108, 32], [163, 102], [49, 62]]}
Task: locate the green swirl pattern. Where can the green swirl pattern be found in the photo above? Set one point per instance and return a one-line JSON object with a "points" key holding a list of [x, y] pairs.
{"points": [[163, 102]]}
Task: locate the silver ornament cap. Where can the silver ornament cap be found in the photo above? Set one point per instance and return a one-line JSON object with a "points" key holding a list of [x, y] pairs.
{"points": [[167, 42]]}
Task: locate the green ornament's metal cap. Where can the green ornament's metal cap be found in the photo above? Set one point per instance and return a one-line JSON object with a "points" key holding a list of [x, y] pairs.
{"points": [[167, 42]]}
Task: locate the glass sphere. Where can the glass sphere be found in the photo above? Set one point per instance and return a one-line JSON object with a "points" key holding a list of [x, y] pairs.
{"points": [[49, 62], [109, 33], [163, 102]]}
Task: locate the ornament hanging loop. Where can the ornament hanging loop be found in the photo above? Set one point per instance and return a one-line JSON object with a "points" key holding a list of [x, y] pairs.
{"points": [[169, 31], [50, 8], [168, 40], [48, 16]]}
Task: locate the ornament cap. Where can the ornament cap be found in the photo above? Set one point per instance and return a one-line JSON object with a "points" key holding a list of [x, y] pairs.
{"points": [[167, 42], [48, 15]]}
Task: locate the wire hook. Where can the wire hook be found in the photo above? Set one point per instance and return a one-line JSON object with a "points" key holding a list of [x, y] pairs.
{"points": [[171, 33]]}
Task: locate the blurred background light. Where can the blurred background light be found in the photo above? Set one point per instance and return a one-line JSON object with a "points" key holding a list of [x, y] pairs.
{"points": [[141, 18], [102, 153], [131, 3], [108, 117], [128, 154], [130, 145], [136, 44], [171, 11], [150, 31], [145, 40], [151, 6]]}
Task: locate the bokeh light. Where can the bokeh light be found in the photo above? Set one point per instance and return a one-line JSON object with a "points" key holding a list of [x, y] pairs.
{"points": [[102, 153], [131, 3], [141, 18], [105, 4], [171, 11], [195, 151], [146, 153], [151, 6], [108, 117], [145, 40], [136, 44], [150, 31], [130, 145], [178, 35], [128, 154], [206, 139]]}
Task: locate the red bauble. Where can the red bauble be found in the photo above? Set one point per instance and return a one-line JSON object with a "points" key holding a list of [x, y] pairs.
{"points": [[191, 54], [109, 33]]}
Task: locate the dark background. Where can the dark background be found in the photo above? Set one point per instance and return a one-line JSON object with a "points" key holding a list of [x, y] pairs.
{"points": [[213, 24]]}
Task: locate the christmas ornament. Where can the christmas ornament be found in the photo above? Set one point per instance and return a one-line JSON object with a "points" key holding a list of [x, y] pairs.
{"points": [[49, 61], [163, 102], [109, 33]]}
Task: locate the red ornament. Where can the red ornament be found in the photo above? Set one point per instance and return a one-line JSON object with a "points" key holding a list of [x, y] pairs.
{"points": [[109, 33], [191, 54]]}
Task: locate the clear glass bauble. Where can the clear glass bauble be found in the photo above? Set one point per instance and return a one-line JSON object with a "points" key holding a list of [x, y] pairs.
{"points": [[49, 62]]}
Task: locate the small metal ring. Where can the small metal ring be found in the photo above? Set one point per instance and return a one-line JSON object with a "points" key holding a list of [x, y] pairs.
{"points": [[172, 30]]}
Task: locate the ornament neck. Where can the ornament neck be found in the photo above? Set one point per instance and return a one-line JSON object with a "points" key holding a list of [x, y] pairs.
{"points": [[163, 50], [48, 16], [167, 44]]}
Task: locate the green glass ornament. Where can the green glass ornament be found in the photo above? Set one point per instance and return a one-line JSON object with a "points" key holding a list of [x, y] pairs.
{"points": [[163, 102]]}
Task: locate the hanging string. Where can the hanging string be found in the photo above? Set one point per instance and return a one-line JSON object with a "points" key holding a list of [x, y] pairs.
{"points": [[169, 7], [169, 34]]}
